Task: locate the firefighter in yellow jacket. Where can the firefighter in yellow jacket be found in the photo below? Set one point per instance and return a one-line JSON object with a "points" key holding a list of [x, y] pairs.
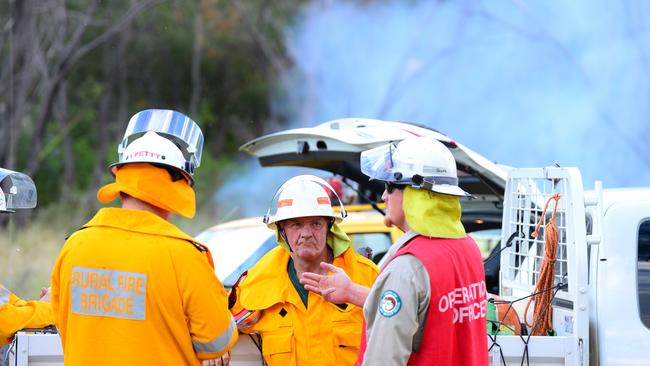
{"points": [[17, 191], [17, 314], [130, 288], [298, 327]]}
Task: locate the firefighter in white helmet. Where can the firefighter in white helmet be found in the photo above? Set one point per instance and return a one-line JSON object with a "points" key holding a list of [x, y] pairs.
{"points": [[130, 287], [296, 327], [428, 305], [17, 191]]}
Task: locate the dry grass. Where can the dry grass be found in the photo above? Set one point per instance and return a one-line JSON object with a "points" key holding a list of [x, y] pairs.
{"points": [[28, 253]]}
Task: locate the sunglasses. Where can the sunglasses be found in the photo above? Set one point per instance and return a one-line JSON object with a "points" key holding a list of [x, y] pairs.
{"points": [[175, 174], [391, 187]]}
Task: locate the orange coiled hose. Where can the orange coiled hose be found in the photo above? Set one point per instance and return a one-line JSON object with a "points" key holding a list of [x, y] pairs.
{"points": [[543, 313]]}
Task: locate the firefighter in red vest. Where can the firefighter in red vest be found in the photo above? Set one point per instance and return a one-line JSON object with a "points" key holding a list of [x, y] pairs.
{"points": [[428, 305]]}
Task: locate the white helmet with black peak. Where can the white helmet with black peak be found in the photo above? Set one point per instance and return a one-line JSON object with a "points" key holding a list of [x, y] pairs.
{"points": [[421, 162]]}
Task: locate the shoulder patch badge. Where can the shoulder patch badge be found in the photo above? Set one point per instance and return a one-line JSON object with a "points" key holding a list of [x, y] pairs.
{"points": [[390, 303]]}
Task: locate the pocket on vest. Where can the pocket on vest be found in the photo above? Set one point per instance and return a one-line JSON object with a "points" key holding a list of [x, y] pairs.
{"points": [[279, 349], [346, 343]]}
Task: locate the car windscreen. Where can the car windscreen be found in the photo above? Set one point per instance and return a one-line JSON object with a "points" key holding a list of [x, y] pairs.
{"points": [[235, 250], [371, 245]]}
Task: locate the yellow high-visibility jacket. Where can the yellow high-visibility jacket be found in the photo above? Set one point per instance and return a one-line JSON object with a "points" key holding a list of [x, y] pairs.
{"points": [[130, 288], [321, 334], [16, 314]]}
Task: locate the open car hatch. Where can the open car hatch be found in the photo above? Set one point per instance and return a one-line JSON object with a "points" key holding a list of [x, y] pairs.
{"points": [[335, 146]]}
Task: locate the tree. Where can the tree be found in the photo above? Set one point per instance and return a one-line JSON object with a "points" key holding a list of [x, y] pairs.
{"points": [[75, 70]]}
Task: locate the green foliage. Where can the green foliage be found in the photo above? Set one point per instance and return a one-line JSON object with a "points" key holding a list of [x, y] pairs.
{"points": [[242, 51], [146, 63]]}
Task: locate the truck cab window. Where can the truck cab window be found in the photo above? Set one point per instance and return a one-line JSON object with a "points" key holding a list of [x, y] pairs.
{"points": [[643, 270]]}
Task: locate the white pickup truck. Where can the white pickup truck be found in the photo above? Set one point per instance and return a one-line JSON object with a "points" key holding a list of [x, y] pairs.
{"points": [[601, 307], [601, 303]]}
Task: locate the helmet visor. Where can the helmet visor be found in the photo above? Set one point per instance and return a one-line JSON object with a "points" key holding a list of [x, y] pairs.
{"points": [[181, 128], [18, 189], [378, 163]]}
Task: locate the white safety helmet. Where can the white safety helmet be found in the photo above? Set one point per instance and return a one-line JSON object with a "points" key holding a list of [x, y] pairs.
{"points": [[420, 162], [17, 191], [303, 196], [161, 136]]}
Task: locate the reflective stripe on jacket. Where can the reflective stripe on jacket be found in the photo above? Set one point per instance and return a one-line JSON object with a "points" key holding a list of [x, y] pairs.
{"points": [[321, 334], [16, 314], [131, 288]]}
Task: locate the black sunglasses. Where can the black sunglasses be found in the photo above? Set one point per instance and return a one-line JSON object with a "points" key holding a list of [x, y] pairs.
{"points": [[390, 187]]}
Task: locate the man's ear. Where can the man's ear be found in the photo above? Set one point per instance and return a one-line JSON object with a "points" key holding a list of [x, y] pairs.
{"points": [[282, 234]]}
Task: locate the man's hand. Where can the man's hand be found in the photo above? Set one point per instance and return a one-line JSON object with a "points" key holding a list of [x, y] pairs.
{"points": [[221, 361], [334, 287]]}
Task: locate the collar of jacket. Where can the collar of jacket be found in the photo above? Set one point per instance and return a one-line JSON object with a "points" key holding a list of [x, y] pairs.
{"points": [[268, 283], [138, 221]]}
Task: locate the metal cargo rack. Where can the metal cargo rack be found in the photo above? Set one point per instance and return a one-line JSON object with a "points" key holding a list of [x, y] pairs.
{"points": [[527, 192]]}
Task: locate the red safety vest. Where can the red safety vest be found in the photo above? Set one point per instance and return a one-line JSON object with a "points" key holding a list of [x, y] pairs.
{"points": [[456, 320]]}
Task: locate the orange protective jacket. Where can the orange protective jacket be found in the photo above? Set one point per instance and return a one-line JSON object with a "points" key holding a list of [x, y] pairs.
{"points": [[130, 288], [16, 314], [322, 334]]}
